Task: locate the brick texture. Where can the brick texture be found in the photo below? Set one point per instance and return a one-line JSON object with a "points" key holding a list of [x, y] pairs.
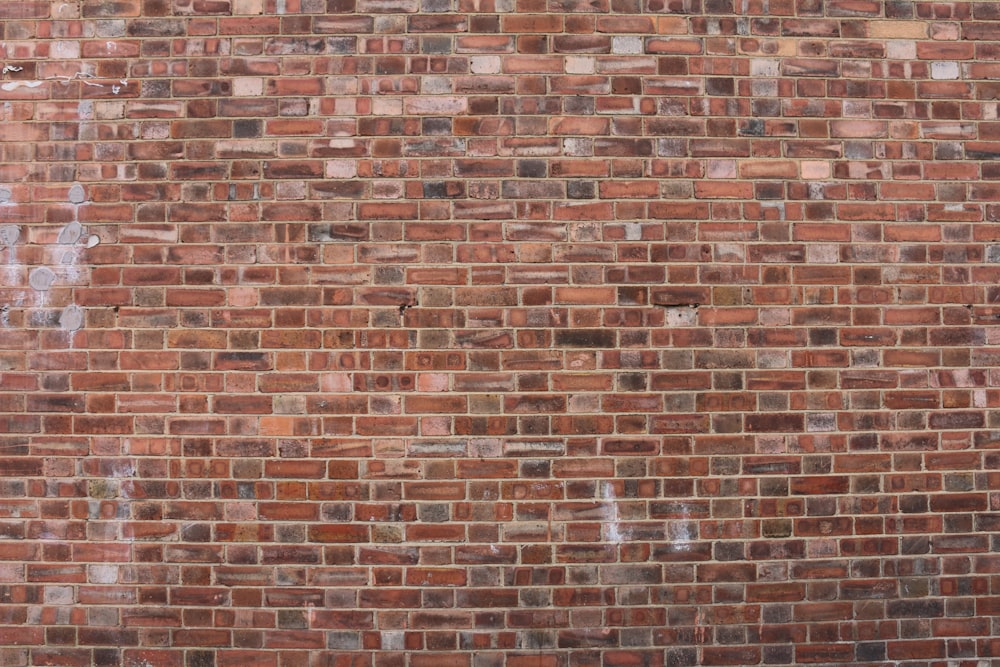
{"points": [[482, 333]]}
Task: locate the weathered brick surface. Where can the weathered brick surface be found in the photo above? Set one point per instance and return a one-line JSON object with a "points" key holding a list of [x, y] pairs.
{"points": [[495, 332]]}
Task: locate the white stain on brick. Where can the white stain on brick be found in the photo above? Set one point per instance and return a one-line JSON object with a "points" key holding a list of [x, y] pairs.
{"points": [[65, 50], [9, 234], [613, 528], [683, 530]]}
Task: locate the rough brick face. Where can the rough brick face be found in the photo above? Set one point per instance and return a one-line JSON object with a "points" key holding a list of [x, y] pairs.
{"points": [[483, 333]]}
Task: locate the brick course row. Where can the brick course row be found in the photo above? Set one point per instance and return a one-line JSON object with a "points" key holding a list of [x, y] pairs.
{"points": [[495, 332]]}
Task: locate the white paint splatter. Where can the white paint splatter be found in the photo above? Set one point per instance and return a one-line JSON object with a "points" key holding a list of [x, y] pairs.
{"points": [[72, 317], [9, 234], [14, 85], [79, 76], [77, 195], [85, 109], [41, 278], [683, 532], [71, 233]]}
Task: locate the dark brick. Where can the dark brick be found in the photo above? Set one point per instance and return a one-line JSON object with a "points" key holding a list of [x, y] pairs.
{"points": [[589, 338]]}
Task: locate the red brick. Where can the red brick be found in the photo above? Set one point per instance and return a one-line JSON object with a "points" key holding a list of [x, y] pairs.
{"points": [[535, 334]]}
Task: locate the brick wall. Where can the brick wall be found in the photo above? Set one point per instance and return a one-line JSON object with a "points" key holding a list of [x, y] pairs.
{"points": [[469, 333]]}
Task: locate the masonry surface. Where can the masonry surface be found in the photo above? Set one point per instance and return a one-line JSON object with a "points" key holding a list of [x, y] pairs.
{"points": [[485, 333]]}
